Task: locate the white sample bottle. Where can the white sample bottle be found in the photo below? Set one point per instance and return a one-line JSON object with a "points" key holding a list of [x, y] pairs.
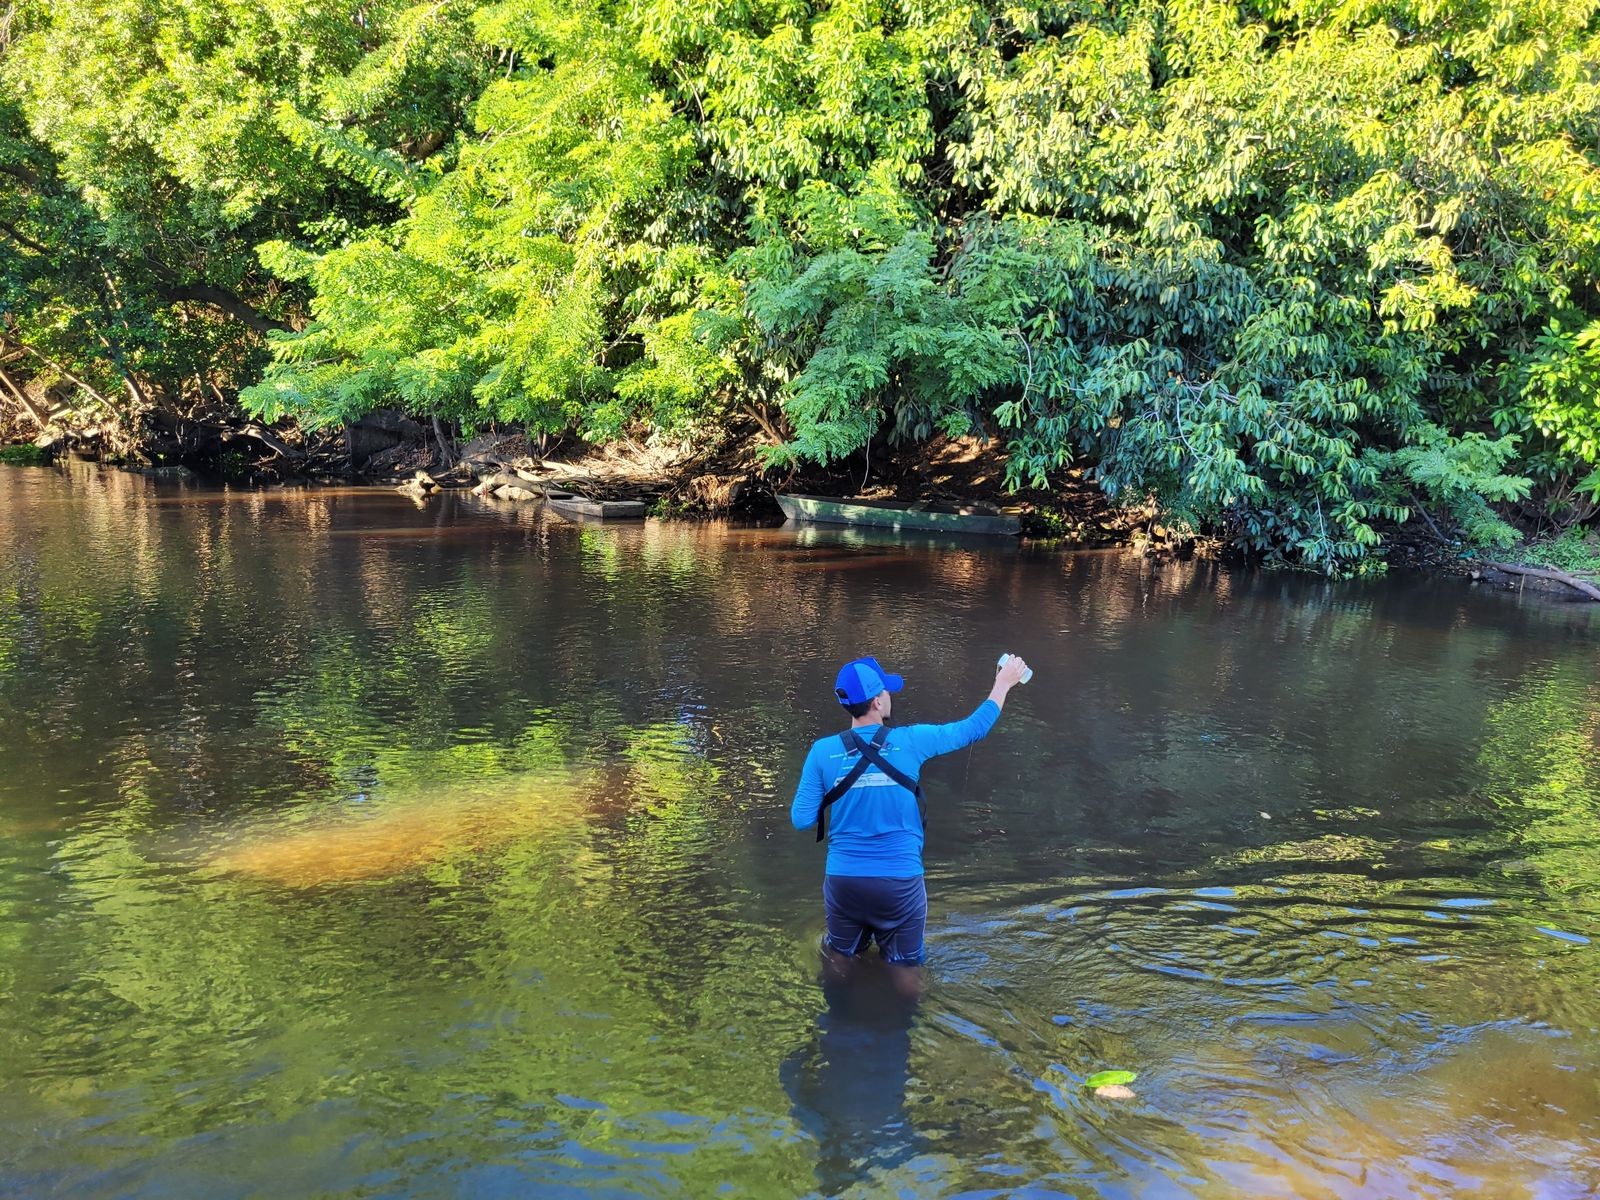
{"points": [[1026, 675]]}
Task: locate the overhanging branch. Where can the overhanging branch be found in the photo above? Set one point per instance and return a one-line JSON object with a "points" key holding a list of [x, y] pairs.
{"points": [[225, 301], [23, 239]]}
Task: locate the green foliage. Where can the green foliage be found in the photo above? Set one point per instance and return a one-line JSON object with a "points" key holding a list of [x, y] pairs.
{"points": [[1560, 397], [147, 153], [668, 508], [24, 455], [1576, 550], [1458, 476], [869, 328], [518, 285], [1233, 272], [1281, 268], [1110, 1078]]}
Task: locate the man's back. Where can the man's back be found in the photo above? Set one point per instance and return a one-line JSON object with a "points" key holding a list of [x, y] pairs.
{"points": [[875, 828]]}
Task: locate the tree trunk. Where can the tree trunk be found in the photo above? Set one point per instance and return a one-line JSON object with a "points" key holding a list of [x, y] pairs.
{"points": [[40, 419], [446, 452]]}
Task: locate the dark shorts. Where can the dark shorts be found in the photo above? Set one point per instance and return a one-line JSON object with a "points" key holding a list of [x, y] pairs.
{"points": [[864, 909]]}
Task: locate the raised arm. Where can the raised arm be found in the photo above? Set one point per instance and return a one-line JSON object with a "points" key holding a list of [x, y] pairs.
{"points": [[933, 740]]}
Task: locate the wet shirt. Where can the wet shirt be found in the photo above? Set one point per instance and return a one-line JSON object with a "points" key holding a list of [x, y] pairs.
{"points": [[875, 828]]}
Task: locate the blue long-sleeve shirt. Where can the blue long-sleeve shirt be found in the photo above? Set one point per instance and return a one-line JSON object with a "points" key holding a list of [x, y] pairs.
{"points": [[875, 828]]}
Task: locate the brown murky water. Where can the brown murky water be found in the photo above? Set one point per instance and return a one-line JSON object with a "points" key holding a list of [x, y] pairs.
{"points": [[352, 848]]}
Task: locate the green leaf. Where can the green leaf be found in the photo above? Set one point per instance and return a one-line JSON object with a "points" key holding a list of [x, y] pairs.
{"points": [[1102, 1079]]}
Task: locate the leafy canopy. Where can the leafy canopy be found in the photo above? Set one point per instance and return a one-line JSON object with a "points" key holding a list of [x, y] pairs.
{"points": [[1291, 269]]}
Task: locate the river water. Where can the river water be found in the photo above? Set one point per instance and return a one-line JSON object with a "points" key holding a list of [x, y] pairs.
{"points": [[355, 848]]}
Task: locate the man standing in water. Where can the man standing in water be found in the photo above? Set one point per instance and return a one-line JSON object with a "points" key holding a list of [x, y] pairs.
{"points": [[860, 789]]}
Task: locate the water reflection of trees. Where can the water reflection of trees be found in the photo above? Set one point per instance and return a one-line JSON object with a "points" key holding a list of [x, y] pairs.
{"points": [[1540, 766], [179, 662], [414, 624], [600, 957]]}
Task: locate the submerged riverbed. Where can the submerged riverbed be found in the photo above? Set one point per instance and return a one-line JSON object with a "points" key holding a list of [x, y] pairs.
{"points": [[355, 848]]}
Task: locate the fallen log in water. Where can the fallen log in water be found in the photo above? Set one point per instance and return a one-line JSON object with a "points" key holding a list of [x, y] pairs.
{"points": [[1572, 581]]}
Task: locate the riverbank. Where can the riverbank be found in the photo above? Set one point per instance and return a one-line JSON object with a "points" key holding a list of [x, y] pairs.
{"points": [[1561, 566], [720, 474], [724, 476], [697, 481]]}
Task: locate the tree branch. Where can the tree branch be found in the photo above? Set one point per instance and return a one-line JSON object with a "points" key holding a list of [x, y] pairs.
{"points": [[69, 376], [1423, 513], [1588, 589], [23, 239], [275, 444], [225, 301], [18, 171], [40, 419]]}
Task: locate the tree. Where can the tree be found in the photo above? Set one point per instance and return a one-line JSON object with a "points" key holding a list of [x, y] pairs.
{"points": [[1273, 267], [147, 158]]}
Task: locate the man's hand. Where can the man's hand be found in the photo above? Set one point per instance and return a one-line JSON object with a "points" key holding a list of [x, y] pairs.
{"points": [[1011, 674]]}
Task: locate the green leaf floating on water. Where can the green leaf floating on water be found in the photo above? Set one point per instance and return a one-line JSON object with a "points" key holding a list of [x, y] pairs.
{"points": [[1102, 1079]]}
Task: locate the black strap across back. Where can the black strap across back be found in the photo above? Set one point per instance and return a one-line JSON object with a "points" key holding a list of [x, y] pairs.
{"points": [[870, 757]]}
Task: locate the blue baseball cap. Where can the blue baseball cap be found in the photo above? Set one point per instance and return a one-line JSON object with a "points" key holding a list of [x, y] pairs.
{"points": [[861, 679]]}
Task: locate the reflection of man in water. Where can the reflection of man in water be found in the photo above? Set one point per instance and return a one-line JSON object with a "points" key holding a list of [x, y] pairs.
{"points": [[848, 1085], [861, 787]]}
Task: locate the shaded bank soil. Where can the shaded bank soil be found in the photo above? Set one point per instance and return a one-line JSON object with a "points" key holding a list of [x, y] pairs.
{"points": [[718, 474], [728, 479], [688, 481]]}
